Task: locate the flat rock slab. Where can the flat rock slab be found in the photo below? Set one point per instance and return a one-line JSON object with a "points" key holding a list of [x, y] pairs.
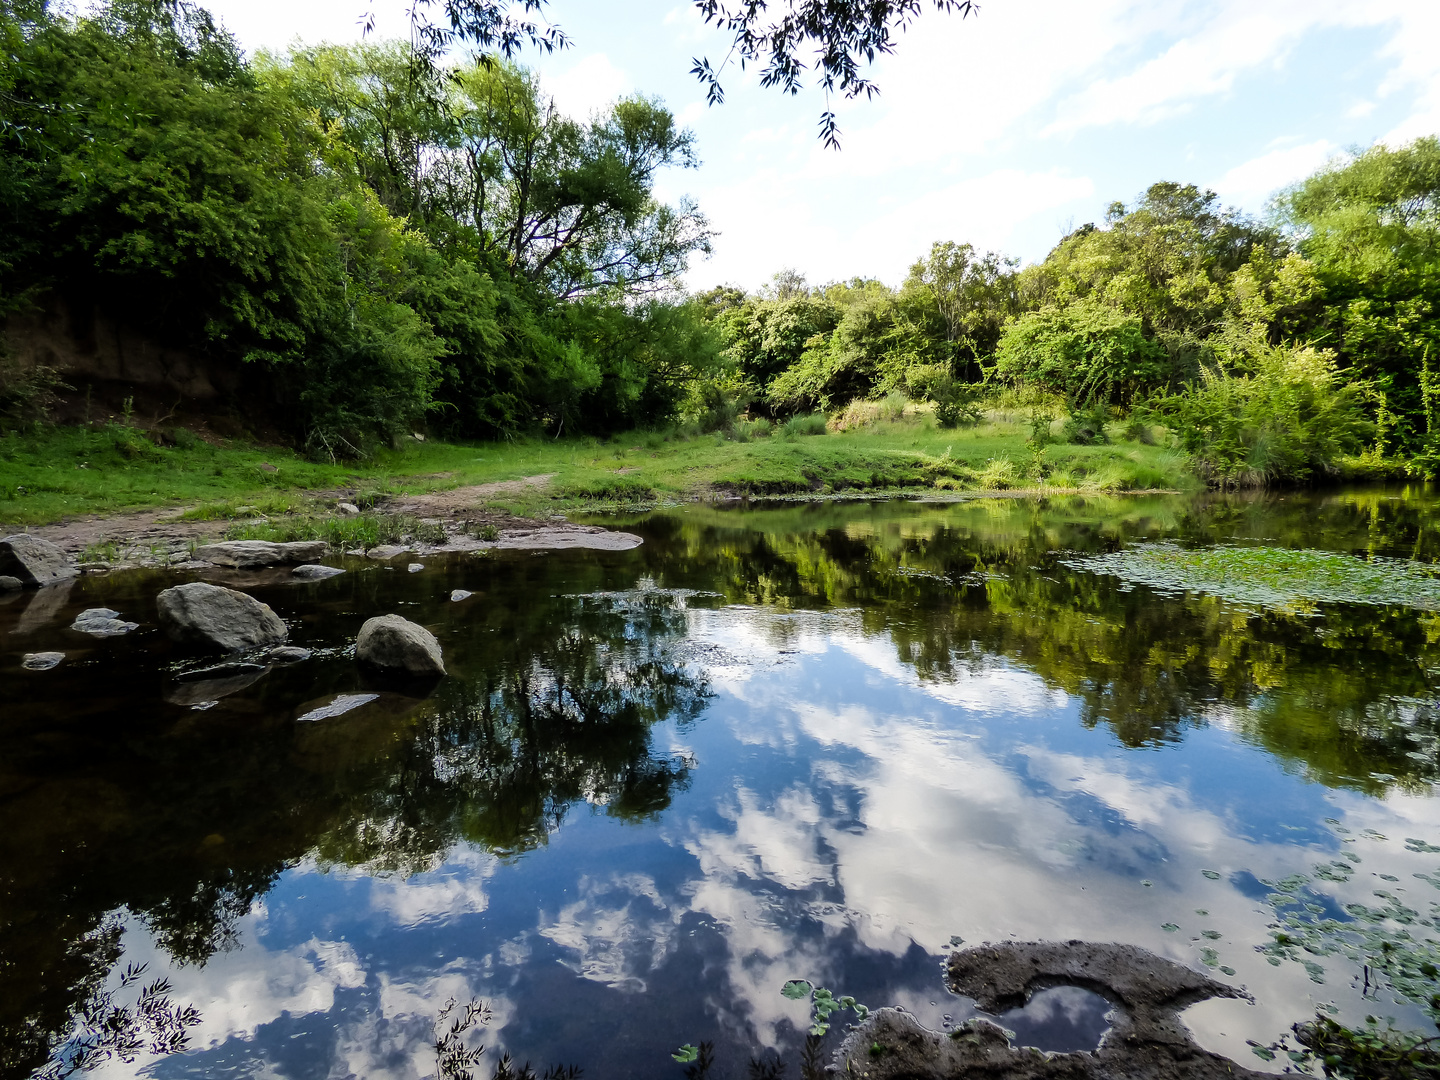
{"points": [[1146, 1041], [250, 554], [33, 561], [569, 536], [315, 572], [387, 551], [390, 643], [41, 661], [216, 618], [102, 622]]}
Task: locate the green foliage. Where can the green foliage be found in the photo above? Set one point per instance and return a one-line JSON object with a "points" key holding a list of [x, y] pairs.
{"points": [[1371, 226], [1085, 350], [1367, 1053], [1287, 417]]}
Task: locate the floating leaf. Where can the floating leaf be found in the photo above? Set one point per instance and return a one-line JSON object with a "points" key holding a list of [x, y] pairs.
{"points": [[1209, 957], [1169, 927], [1227, 970], [1213, 875], [796, 989], [1213, 935], [686, 1054], [956, 939]]}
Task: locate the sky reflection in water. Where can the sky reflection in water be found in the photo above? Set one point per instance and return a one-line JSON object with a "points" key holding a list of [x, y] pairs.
{"points": [[794, 743]]}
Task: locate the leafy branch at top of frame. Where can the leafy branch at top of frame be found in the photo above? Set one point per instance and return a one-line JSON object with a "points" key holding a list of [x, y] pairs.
{"points": [[841, 34]]}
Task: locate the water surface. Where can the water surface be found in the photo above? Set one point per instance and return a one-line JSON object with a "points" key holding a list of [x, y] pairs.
{"points": [[796, 741]]}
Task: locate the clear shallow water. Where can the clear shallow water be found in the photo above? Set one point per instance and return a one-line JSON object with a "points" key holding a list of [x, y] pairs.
{"points": [[807, 742]]}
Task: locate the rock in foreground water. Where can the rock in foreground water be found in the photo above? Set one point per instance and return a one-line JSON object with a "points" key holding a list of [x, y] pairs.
{"points": [[102, 622], [391, 643], [250, 554], [41, 661], [315, 572], [33, 561], [217, 618]]}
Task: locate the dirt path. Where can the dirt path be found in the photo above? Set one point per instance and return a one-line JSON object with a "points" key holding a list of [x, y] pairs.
{"points": [[151, 537]]}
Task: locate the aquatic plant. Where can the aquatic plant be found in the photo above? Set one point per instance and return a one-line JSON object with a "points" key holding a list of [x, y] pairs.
{"points": [[1268, 577]]}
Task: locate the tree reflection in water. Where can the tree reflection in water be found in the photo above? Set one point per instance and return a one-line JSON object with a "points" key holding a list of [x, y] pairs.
{"points": [[114, 799], [185, 825]]}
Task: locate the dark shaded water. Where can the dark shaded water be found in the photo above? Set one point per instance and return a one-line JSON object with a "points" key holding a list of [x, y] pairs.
{"points": [[807, 742]]}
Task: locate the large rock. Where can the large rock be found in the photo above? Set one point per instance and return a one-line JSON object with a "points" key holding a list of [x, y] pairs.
{"points": [[313, 572], [393, 644], [249, 554], [33, 561], [217, 618]]}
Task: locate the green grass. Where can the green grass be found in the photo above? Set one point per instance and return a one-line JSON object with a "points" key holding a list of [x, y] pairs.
{"points": [[53, 473]]}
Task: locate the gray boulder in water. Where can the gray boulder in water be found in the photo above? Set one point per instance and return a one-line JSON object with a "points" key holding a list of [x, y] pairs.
{"points": [[315, 572], [217, 618], [102, 622], [250, 554], [33, 561], [397, 645]]}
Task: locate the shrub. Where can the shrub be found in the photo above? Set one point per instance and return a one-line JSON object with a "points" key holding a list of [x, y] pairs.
{"points": [[1084, 350], [809, 424], [1285, 419], [1085, 425]]}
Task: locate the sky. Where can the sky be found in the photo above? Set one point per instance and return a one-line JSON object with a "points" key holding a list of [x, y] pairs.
{"points": [[1005, 129]]}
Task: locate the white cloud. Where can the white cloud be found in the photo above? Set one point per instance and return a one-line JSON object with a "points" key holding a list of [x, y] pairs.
{"points": [[587, 86], [1251, 183]]}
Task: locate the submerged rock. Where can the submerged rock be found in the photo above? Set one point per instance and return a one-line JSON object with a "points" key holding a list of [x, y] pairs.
{"points": [[288, 654], [212, 684], [250, 554], [393, 644], [102, 622], [315, 572], [415, 567], [33, 561], [1147, 1039], [217, 618], [456, 595], [41, 661]]}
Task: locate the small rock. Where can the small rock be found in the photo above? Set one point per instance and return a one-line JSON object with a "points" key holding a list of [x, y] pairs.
{"points": [[415, 567], [395, 644], [217, 618], [418, 437], [41, 661], [386, 551], [249, 554], [34, 561], [102, 622], [267, 467], [457, 595], [10, 584], [288, 654], [355, 551], [315, 572], [347, 508]]}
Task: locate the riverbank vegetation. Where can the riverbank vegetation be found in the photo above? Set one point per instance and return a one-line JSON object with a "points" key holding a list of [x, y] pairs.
{"points": [[365, 245]]}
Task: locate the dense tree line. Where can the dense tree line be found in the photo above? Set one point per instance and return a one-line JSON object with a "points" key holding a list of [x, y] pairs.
{"points": [[1271, 349], [380, 240]]}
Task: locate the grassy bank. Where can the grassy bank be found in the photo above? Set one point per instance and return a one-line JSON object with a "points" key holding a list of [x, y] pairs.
{"points": [[53, 473]]}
